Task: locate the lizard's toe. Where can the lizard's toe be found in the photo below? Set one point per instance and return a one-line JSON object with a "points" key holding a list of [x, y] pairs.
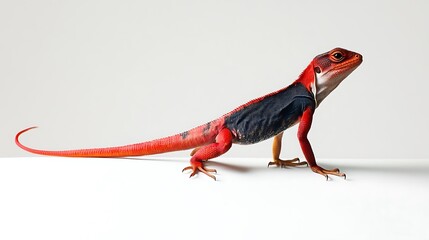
{"points": [[199, 167], [287, 163]]}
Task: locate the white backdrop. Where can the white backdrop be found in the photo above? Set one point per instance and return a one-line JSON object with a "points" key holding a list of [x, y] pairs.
{"points": [[101, 73]]}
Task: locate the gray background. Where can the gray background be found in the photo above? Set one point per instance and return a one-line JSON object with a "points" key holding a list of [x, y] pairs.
{"points": [[102, 73]]}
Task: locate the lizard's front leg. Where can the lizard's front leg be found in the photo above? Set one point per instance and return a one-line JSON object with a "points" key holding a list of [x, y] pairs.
{"points": [[277, 147], [304, 128]]}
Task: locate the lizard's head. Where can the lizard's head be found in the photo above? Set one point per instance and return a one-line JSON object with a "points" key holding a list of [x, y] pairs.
{"points": [[331, 68]]}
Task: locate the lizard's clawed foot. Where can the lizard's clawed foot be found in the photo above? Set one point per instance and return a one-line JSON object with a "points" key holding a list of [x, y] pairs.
{"points": [[287, 163], [198, 166], [326, 172]]}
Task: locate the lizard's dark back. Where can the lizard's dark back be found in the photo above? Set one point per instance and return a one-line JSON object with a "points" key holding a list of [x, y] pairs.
{"points": [[271, 115]]}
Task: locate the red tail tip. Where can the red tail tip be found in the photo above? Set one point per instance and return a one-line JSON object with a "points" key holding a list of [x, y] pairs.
{"points": [[21, 132]]}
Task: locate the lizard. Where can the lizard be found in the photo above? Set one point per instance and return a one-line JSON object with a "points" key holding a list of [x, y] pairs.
{"points": [[257, 120]]}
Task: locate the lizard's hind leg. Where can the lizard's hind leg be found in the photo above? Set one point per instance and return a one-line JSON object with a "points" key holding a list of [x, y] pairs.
{"points": [[220, 146]]}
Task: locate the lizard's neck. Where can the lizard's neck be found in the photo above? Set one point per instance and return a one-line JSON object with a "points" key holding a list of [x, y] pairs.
{"points": [[328, 81], [324, 87]]}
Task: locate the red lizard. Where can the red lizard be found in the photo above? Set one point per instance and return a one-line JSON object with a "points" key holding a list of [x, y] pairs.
{"points": [[255, 121]]}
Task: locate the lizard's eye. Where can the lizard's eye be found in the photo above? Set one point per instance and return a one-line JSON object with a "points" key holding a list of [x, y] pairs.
{"points": [[337, 56]]}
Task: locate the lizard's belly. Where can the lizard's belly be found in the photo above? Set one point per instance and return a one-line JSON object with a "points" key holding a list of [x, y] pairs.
{"points": [[249, 135], [253, 130]]}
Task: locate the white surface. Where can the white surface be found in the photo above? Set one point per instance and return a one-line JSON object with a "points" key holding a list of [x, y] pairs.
{"points": [[101, 73], [64, 198]]}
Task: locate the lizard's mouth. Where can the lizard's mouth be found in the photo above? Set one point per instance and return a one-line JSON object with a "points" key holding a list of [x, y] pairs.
{"points": [[342, 70], [349, 65]]}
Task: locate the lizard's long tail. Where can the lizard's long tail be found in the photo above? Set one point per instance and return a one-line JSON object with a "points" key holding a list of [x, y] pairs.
{"points": [[196, 137]]}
